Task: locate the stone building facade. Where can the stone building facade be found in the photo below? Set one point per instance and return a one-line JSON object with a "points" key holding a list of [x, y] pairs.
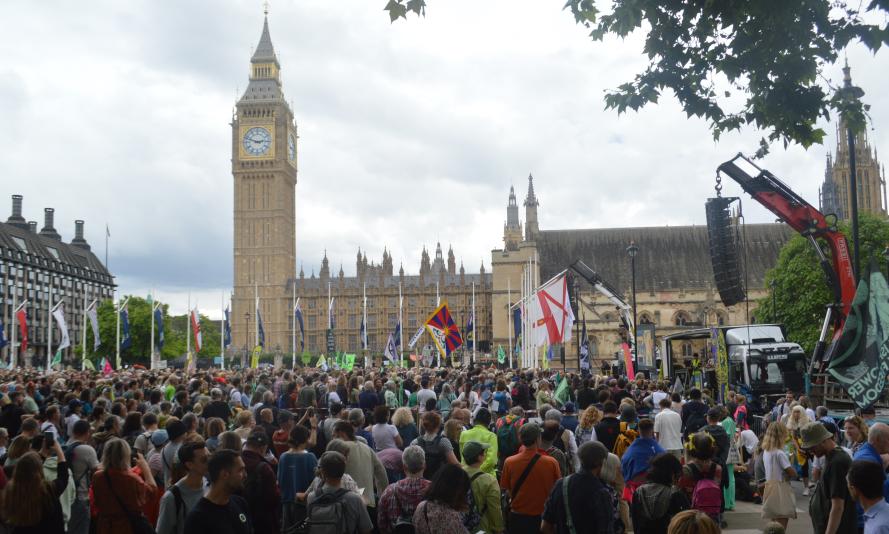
{"points": [[40, 268], [439, 280], [264, 166], [675, 288], [835, 196]]}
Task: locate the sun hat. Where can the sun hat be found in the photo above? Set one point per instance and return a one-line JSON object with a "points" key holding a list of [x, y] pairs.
{"points": [[813, 434]]}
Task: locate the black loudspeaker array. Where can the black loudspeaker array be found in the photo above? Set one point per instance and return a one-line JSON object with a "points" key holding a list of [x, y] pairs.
{"points": [[725, 251]]}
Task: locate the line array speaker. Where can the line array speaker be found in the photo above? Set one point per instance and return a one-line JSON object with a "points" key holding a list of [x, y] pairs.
{"points": [[724, 251]]}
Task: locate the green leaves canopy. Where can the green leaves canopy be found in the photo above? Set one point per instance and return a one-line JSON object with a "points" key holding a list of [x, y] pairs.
{"points": [[773, 52]]}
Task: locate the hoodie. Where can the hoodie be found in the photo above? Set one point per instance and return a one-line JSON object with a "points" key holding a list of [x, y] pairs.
{"points": [[654, 505], [50, 473]]}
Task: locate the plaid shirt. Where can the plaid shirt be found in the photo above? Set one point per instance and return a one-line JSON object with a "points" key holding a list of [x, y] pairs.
{"points": [[410, 493]]}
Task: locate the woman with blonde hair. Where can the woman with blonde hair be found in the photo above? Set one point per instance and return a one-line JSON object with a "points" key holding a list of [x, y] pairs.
{"points": [[795, 421], [119, 492], [856, 432], [778, 500], [29, 502], [403, 420], [586, 428], [692, 522], [452, 430]]}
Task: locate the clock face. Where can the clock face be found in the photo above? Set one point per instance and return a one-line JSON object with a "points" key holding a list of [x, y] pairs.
{"points": [[291, 147], [257, 141]]}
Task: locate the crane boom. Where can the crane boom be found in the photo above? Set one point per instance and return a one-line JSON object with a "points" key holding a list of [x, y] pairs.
{"points": [[606, 289]]}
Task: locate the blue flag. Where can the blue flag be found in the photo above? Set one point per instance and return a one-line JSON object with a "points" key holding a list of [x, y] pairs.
{"points": [[127, 341], [159, 319], [261, 330], [362, 334], [227, 330], [517, 327], [298, 314], [3, 341], [397, 334]]}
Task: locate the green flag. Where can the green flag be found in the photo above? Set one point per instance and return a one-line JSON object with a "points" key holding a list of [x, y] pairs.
{"points": [[88, 364], [348, 362], [57, 359], [562, 393], [306, 358], [322, 361], [501, 355], [862, 352]]}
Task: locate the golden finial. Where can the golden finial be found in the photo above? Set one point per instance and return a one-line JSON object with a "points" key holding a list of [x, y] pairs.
{"points": [[265, 8]]}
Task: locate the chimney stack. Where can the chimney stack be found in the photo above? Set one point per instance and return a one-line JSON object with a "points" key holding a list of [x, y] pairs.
{"points": [[48, 229], [78, 240], [32, 226], [16, 218]]}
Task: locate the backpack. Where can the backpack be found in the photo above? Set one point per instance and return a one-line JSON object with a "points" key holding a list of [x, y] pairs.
{"points": [[707, 494], [253, 493], [508, 437], [69, 459], [625, 437], [327, 513], [434, 455], [472, 517]]}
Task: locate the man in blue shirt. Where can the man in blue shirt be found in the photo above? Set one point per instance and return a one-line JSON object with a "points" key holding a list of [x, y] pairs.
{"points": [[876, 446], [866, 487], [637, 458]]}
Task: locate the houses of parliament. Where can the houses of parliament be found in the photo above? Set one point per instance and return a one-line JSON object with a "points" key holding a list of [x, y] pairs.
{"points": [[674, 280]]}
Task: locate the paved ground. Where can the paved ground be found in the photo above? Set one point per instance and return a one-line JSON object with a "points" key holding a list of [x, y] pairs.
{"points": [[745, 517]]}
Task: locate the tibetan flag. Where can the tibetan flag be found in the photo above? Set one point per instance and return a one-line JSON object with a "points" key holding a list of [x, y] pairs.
{"points": [[127, 341], [227, 329], [196, 329], [159, 319], [298, 315], [261, 330], [444, 330], [94, 325], [469, 340], [391, 352], [551, 316], [22, 317], [3, 341], [59, 315]]}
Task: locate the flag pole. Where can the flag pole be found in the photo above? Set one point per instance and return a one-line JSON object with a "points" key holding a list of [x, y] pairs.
{"points": [[364, 321], [400, 326], [474, 339], [293, 318], [83, 333], [12, 343], [256, 314], [188, 335], [222, 333], [117, 314], [49, 328], [151, 320], [509, 317]]}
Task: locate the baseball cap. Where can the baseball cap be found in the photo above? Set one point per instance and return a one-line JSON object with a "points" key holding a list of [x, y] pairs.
{"points": [[258, 437], [473, 449], [159, 437]]}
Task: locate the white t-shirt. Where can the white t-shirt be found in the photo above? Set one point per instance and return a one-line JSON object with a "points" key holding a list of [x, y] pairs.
{"points": [[384, 436], [656, 398], [69, 423], [775, 462], [422, 396], [668, 427], [749, 440]]}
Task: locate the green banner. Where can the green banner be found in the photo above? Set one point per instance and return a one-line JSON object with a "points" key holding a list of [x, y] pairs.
{"points": [[501, 354], [861, 360]]}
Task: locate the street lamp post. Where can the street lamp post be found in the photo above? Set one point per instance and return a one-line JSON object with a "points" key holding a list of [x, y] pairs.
{"points": [[632, 250], [886, 257], [774, 284], [850, 94]]}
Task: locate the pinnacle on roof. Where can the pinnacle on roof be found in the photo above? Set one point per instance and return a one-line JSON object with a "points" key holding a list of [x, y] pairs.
{"points": [[264, 50], [531, 199], [847, 74]]}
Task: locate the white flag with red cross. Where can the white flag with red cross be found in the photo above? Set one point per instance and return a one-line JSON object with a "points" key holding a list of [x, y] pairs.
{"points": [[552, 319]]}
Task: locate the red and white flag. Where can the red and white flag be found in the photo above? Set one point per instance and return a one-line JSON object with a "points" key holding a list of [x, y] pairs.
{"points": [[22, 319], [552, 319], [196, 328]]}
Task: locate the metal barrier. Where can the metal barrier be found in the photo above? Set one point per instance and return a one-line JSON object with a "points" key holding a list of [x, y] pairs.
{"points": [[759, 425]]}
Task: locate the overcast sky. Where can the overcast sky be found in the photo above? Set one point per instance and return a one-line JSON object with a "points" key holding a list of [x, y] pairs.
{"points": [[410, 133]]}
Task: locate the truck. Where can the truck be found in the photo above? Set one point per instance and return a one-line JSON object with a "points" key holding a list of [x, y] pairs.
{"points": [[762, 364]]}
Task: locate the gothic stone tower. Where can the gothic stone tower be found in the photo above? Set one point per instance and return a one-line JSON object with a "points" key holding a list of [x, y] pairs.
{"points": [[264, 172]]}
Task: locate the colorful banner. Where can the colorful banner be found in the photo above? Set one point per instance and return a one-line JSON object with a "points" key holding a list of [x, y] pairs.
{"points": [[444, 331], [254, 358], [628, 361], [720, 356]]}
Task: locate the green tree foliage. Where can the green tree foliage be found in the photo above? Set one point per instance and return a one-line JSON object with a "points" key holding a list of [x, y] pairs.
{"points": [[772, 52], [140, 317], [798, 292]]}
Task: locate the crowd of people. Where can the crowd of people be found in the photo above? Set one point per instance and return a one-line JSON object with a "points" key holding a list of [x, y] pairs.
{"points": [[419, 451]]}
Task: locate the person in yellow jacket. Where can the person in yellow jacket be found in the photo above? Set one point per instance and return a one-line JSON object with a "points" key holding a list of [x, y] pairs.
{"points": [[480, 433]]}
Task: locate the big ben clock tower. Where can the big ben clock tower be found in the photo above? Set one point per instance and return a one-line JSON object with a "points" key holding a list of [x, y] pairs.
{"points": [[264, 171]]}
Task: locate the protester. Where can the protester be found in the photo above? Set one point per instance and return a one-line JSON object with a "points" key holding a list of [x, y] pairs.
{"points": [[30, 503], [660, 498], [527, 478], [637, 458], [778, 501], [866, 488], [296, 469], [118, 490], [353, 516], [580, 500], [385, 435], [404, 423], [831, 508], [480, 433], [440, 512], [221, 510], [400, 500], [435, 445], [855, 431], [692, 522], [363, 466], [184, 495]]}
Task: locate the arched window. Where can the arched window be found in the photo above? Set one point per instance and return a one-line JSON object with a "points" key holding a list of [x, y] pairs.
{"points": [[594, 347], [645, 318], [681, 318], [720, 317], [687, 349]]}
